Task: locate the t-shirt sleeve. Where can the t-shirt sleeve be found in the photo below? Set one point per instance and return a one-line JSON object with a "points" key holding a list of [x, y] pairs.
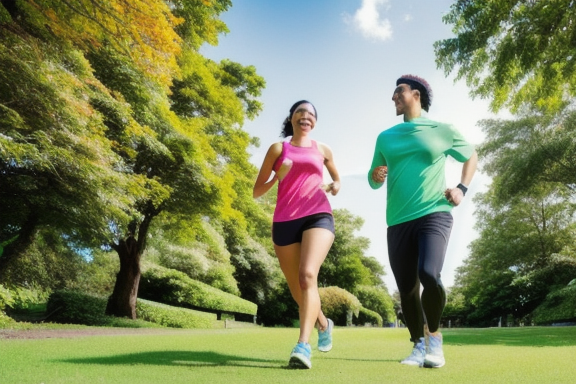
{"points": [[377, 161], [461, 149]]}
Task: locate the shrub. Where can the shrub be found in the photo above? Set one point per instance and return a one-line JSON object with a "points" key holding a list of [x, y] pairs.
{"points": [[378, 300], [339, 305], [172, 316], [5, 300], [73, 307], [26, 298], [176, 288], [557, 307], [366, 316]]}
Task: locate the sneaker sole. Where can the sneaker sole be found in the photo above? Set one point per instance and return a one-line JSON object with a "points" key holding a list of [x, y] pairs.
{"points": [[299, 361], [411, 363], [434, 364], [325, 349]]}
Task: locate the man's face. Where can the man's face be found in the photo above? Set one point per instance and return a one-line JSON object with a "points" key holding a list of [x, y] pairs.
{"points": [[402, 97]]}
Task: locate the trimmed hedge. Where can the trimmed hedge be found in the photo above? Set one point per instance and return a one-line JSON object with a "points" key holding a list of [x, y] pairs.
{"points": [[367, 316], [339, 304], [174, 317], [175, 288], [73, 307], [559, 306]]}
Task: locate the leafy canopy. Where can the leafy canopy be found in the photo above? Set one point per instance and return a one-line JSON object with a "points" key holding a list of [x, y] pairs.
{"points": [[513, 52]]}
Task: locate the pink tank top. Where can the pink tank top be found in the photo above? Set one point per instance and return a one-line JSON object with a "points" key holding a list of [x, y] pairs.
{"points": [[300, 193]]}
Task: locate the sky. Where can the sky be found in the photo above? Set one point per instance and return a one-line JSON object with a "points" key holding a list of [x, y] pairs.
{"points": [[345, 56]]}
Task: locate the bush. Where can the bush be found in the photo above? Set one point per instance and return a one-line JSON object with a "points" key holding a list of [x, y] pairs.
{"points": [[557, 307], [5, 300], [26, 298], [172, 316], [339, 305], [73, 307], [378, 300], [367, 316], [176, 288]]}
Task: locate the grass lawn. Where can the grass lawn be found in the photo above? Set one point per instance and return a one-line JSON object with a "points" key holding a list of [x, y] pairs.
{"points": [[260, 355]]}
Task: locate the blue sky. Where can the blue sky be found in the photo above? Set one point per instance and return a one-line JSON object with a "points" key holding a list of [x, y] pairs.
{"points": [[345, 56]]}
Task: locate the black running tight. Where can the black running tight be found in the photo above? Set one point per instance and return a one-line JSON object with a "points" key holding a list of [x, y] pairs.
{"points": [[416, 250]]}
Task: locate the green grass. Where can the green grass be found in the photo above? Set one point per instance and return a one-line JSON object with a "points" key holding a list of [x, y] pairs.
{"points": [[259, 355]]}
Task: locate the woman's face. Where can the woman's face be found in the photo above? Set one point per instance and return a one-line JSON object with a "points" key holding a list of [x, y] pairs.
{"points": [[304, 117]]}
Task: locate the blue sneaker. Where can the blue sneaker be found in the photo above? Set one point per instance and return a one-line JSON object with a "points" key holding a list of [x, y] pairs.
{"points": [[434, 354], [418, 354], [300, 356], [325, 337]]}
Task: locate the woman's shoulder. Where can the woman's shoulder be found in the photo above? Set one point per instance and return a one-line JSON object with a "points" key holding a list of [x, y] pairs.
{"points": [[276, 148], [323, 148]]}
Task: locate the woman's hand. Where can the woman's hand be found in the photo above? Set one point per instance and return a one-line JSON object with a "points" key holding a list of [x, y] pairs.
{"points": [[333, 187]]}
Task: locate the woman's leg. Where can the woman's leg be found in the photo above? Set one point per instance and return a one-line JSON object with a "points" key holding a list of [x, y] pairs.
{"points": [[289, 257], [316, 243]]}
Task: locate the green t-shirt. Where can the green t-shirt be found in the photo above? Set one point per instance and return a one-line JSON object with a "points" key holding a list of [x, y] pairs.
{"points": [[415, 153]]}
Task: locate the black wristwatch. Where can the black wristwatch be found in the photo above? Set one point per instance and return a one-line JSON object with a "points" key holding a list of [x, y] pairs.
{"points": [[463, 188]]}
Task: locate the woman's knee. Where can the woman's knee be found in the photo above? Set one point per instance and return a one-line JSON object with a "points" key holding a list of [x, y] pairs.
{"points": [[307, 278]]}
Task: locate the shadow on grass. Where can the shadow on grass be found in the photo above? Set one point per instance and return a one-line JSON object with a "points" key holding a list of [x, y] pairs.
{"points": [[180, 358], [517, 336]]}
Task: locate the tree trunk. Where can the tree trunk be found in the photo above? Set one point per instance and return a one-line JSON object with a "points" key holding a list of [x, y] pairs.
{"points": [[19, 245], [122, 302]]}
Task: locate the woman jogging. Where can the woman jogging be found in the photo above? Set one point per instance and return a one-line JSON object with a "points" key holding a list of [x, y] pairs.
{"points": [[412, 156], [303, 226]]}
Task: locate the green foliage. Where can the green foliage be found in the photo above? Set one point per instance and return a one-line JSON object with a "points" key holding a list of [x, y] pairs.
{"points": [[513, 52], [74, 307], [366, 316], [376, 299], [530, 150], [196, 249], [57, 168], [6, 300], [172, 316], [558, 306], [339, 304], [346, 266], [175, 288], [48, 263], [26, 298], [98, 274]]}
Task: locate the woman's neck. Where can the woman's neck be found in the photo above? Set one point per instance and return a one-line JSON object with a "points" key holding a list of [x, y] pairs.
{"points": [[300, 141]]}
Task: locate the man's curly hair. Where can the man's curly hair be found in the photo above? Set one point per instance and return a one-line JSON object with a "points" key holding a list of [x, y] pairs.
{"points": [[416, 82]]}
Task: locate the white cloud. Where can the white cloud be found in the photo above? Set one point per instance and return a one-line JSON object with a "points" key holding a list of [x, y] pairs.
{"points": [[368, 20]]}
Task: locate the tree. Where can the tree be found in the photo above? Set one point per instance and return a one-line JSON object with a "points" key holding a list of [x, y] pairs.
{"points": [[57, 169], [346, 266], [513, 52], [160, 150], [530, 150], [517, 239]]}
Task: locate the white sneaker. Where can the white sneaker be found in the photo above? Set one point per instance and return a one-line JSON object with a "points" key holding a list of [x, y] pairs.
{"points": [[434, 355], [417, 355]]}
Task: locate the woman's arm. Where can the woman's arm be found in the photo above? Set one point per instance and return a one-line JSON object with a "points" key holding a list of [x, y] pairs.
{"points": [[333, 187], [263, 182]]}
